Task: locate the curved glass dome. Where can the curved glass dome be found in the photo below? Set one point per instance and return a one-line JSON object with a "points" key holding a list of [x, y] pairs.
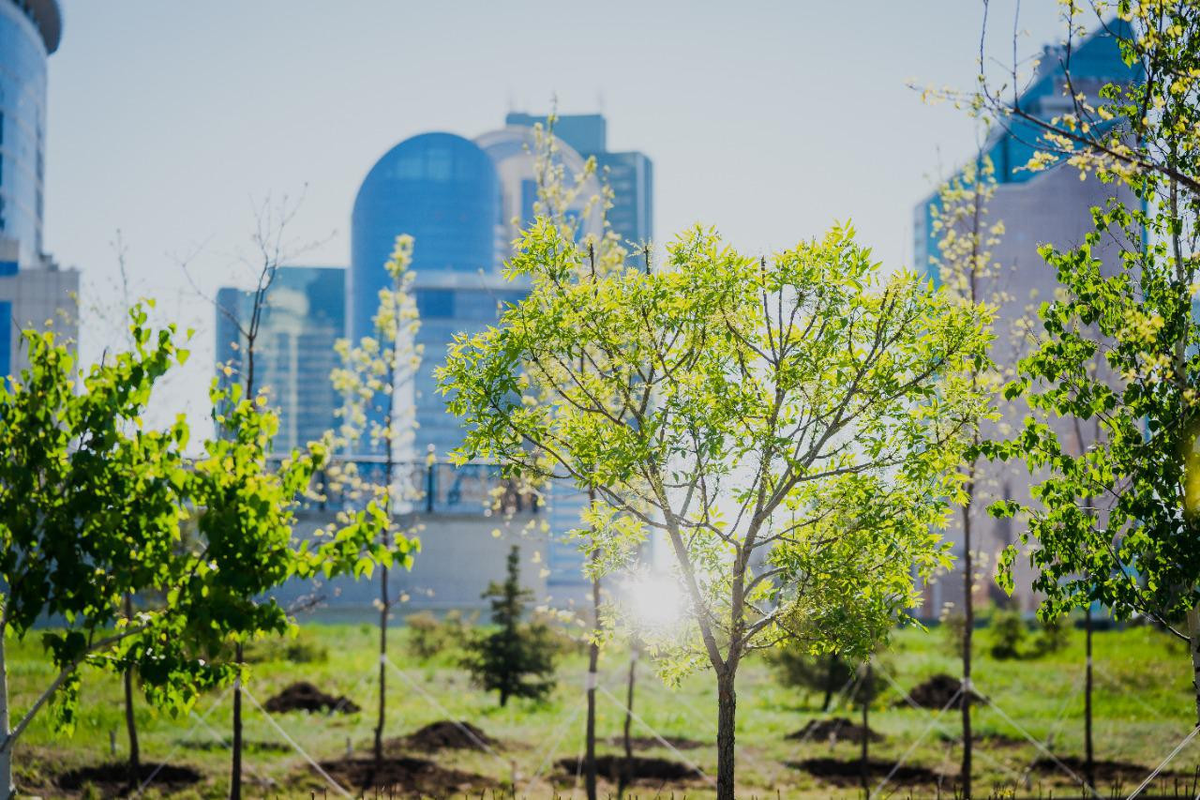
{"points": [[440, 188]]}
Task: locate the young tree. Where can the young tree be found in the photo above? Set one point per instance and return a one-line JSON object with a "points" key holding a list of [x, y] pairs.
{"points": [[1117, 523], [965, 238], [372, 373], [90, 509], [800, 669], [517, 660], [791, 425]]}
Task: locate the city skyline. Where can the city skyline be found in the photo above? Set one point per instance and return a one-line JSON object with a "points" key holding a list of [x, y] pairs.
{"points": [[150, 133]]}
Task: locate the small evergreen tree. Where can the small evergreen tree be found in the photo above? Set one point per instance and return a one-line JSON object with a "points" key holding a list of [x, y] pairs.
{"points": [[517, 659], [797, 668]]}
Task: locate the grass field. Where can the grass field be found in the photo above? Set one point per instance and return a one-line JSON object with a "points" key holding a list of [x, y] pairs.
{"points": [[1143, 707]]}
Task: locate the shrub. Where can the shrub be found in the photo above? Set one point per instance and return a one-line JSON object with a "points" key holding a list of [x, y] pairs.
{"points": [[1007, 634]]}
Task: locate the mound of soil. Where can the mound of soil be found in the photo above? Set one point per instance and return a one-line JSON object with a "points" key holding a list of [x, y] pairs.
{"points": [[303, 696], [838, 729], [416, 776], [849, 772], [646, 742], [112, 779], [1107, 772], [447, 735], [936, 692], [650, 770]]}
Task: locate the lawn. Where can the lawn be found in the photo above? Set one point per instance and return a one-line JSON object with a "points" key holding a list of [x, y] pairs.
{"points": [[1143, 707]]}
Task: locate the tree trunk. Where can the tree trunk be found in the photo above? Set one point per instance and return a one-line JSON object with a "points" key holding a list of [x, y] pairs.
{"points": [[726, 718], [1089, 769], [383, 626], [589, 766], [968, 630], [6, 746], [235, 777], [1193, 623], [135, 755], [830, 678], [627, 769], [866, 739]]}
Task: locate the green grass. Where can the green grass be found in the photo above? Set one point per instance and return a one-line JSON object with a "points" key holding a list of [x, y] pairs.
{"points": [[1143, 706]]}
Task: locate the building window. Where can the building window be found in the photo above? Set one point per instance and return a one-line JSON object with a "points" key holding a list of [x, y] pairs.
{"points": [[435, 303]]}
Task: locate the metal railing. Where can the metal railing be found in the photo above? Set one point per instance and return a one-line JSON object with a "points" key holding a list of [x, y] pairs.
{"points": [[424, 487]]}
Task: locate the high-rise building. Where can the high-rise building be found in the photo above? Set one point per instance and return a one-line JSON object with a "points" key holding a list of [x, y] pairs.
{"points": [[1049, 207], [303, 317], [630, 174], [33, 290]]}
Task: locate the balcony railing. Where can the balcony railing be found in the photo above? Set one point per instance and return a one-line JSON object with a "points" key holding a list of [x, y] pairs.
{"points": [[423, 488]]}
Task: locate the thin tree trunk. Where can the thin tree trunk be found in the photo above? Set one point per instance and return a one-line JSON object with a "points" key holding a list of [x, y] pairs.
{"points": [[865, 690], [968, 630], [6, 745], [383, 630], [235, 777], [627, 769], [1193, 623], [830, 678], [589, 766], [726, 736], [135, 755], [1089, 769]]}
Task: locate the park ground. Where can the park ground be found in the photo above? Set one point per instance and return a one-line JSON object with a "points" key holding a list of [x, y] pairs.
{"points": [[1143, 708]]}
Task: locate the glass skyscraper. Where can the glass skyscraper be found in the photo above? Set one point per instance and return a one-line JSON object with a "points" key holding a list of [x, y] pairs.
{"points": [[32, 288], [1047, 207], [293, 355], [630, 174]]}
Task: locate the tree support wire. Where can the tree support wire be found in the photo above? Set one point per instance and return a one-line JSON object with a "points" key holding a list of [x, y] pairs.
{"points": [[295, 746], [657, 736], [1167, 760], [932, 724], [187, 738], [442, 710]]}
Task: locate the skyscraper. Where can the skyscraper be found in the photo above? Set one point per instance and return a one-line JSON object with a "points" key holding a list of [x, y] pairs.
{"points": [[1050, 207], [630, 174], [32, 288], [304, 315]]}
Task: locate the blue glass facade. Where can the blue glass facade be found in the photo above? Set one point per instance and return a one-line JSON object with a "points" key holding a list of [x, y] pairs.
{"points": [[304, 317], [1094, 62], [437, 187], [29, 31], [629, 174]]}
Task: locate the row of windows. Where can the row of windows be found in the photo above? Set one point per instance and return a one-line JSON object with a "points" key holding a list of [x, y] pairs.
{"points": [[471, 305]]}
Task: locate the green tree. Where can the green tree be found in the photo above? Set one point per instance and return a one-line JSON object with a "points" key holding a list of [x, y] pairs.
{"points": [[372, 373], [517, 659], [824, 674], [1116, 521], [91, 504], [802, 413]]}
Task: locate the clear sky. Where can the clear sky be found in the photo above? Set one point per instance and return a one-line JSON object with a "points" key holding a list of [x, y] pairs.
{"points": [[170, 121]]}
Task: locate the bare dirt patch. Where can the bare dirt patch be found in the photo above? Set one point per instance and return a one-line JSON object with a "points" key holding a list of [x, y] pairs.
{"points": [[938, 691], [838, 729], [652, 771], [112, 779], [409, 776], [446, 735], [303, 696], [849, 772]]}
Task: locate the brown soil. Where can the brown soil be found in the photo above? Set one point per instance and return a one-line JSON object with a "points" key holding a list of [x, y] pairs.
{"points": [[303, 696], [654, 771], [839, 729], [112, 779], [937, 692], [646, 742], [849, 772], [407, 776], [445, 734], [1107, 772], [986, 739]]}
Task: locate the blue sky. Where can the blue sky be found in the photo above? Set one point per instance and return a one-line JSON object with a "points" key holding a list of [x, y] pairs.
{"points": [[171, 120]]}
